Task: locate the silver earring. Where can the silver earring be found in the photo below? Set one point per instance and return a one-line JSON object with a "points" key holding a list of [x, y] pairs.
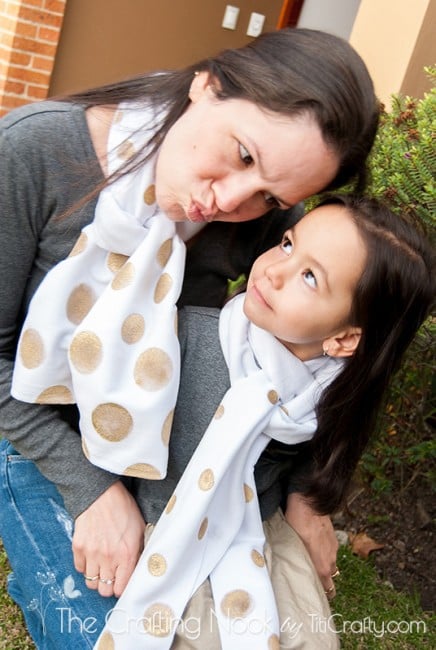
{"points": [[325, 352]]}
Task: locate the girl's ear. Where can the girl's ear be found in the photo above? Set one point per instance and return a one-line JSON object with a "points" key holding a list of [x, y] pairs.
{"points": [[343, 344], [200, 84]]}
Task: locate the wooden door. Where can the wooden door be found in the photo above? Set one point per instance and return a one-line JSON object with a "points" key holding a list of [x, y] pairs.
{"points": [[290, 13]]}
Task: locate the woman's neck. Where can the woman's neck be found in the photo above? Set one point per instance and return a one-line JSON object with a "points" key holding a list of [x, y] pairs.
{"points": [[99, 120]]}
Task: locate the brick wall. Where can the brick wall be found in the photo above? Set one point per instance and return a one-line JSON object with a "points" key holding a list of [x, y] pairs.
{"points": [[29, 34]]}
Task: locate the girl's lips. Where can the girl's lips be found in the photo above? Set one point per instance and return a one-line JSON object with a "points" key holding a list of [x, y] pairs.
{"points": [[257, 295]]}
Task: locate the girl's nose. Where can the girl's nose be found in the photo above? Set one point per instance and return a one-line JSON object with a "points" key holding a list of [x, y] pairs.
{"points": [[276, 274]]}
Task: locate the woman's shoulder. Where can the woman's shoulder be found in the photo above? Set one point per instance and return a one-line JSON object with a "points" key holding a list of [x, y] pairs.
{"points": [[46, 135], [43, 119]]}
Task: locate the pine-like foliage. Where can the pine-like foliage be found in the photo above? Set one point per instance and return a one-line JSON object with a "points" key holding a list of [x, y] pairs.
{"points": [[403, 160]]}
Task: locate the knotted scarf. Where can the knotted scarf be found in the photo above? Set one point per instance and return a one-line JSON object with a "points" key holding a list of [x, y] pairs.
{"points": [[211, 525], [101, 328]]}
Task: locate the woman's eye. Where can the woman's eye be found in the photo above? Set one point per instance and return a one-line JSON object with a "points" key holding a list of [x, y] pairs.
{"points": [[270, 200], [310, 279], [245, 155], [286, 245]]}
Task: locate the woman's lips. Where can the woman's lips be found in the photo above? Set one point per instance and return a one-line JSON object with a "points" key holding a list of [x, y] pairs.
{"points": [[199, 214]]}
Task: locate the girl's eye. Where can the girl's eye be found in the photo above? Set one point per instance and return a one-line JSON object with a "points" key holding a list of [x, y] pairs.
{"points": [[245, 155], [310, 279], [270, 200], [286, 245]]}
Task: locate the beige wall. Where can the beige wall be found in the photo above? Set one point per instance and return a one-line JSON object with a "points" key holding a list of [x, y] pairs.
{"points": [[386, 33], [415, 81], [335, 16], [104, 40]]}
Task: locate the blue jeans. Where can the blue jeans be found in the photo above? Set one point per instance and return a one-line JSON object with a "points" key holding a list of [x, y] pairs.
{"points": [[61, 612]]}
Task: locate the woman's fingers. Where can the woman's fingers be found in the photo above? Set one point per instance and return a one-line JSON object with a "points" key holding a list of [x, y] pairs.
{"points": [[108, 539]]}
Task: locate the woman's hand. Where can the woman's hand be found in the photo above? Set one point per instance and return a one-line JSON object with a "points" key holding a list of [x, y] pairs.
{"points": [[108, 539], [319, 537]]}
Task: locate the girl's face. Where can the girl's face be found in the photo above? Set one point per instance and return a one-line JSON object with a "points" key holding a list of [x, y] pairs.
{"points": [[232, 161], [302, 290]]}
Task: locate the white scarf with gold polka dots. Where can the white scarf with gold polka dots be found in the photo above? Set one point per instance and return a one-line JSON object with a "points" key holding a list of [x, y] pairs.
{"points": [[101, 328], [212, 525]]}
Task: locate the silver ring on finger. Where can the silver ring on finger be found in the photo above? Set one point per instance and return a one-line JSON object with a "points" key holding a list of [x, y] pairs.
{"points": [[107, 581]]}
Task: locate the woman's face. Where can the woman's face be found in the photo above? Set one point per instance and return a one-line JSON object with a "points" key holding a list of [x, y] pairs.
{"points": [[302, 290], [232, 161]]}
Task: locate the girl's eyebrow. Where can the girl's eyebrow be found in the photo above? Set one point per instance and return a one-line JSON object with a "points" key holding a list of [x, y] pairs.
{"points": [[311, 260]]}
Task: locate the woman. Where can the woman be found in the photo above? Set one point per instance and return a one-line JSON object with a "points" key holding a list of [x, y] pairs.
{"points": [[307, 92]]}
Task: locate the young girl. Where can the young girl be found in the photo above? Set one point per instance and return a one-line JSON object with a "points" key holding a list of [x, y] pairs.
{"points": [[310, 348]]}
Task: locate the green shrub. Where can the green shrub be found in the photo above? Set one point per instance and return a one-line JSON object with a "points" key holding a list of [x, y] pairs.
{"points": [[403, 159], [402, 173]]}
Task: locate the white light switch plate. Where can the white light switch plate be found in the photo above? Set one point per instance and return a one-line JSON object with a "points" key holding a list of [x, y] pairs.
{"points": [[230, 17], [255, 25]]}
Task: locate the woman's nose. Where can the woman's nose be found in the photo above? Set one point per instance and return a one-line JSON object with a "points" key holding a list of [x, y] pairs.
{"points": [[233, 195]]}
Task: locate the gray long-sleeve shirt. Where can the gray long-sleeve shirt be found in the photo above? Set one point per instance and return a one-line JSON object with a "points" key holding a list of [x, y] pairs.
{"points": [[47, 164]]}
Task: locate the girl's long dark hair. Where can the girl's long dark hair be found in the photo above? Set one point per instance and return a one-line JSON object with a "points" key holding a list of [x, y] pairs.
{"points": [[394, 296], [289, 71]]}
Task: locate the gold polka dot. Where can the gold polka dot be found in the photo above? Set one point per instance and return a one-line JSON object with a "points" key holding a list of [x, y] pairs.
{"points": [[124, 277], [80, 245], [158, 620], [153, 369], [86, 352], [115, 261], [219, 412], [143, 470], [132, 329], [126, 150], [55, 395], [248, 493], [166, 429], [171, 503], [31, 349], [157, 565], [273, 396], [85, 448], [112, 421], [236, 603], [163, 285], [106, 642], [257, 558], [79, 303], [274, 642], [206, 480], [203, 528], [164, 252], [150, 195]]}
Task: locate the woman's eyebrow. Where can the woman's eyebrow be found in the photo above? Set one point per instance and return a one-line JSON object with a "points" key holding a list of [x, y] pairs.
{"points": [[254, 148]]}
